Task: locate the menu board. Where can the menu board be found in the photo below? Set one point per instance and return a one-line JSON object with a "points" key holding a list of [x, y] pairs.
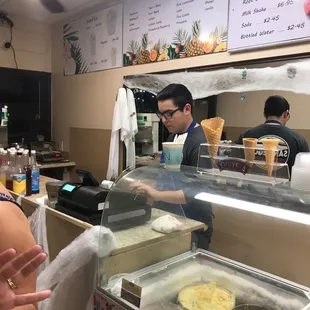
{"points": [[94, 42], [158, 30], [254, 23]]}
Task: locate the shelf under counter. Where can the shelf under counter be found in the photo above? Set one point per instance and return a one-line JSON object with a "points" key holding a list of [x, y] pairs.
{"points": [[58, 170], [64, 164]]}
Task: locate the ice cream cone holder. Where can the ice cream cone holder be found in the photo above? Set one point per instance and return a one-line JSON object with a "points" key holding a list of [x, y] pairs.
{"points": [[254, 164]]}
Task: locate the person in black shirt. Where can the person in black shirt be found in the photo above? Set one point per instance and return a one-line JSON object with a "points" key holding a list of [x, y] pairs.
{"points": [[175, 103], [277, 114]]}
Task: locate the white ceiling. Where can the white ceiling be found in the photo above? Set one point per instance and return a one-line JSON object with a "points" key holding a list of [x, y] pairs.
{"points": [[33, 9]]}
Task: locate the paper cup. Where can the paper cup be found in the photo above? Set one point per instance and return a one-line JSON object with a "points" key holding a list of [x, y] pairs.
{"points": [[173, 153]]}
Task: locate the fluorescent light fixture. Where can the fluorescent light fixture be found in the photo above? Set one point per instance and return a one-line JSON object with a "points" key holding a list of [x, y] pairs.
{"points": [[256, 208]]}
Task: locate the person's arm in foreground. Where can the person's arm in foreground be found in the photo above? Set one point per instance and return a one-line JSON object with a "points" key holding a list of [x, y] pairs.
{"points": [[15, 233], [16, 269]]}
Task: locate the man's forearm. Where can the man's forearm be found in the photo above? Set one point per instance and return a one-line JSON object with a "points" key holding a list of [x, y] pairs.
{"points": [[176, 197]]}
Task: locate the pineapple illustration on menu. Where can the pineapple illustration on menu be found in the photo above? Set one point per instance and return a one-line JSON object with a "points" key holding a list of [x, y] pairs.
{"points": [[144, 54], [195, 47], [220, 40], [155, 52], [181, 41], [159, 51], [133, 51]]}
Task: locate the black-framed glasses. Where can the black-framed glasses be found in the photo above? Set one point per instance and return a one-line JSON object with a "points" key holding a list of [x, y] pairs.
{"points": [[168, 114]]}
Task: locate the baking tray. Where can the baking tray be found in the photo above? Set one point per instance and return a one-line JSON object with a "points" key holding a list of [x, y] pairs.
{"points": [[162, 282]]}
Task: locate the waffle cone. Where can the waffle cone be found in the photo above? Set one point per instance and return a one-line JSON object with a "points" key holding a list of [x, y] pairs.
{"points": [[249, 151], [213, 128], [270, 146]]}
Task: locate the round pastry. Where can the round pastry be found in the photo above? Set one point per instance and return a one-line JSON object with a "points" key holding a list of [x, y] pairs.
{"points": [[206, 297]]}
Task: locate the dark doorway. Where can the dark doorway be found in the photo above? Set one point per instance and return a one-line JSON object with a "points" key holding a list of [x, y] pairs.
{"points": [[28, 97]]}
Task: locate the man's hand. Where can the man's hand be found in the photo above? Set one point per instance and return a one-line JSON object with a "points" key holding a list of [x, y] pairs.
{"points": [[146, 190], [174, 197], [13, 271]]}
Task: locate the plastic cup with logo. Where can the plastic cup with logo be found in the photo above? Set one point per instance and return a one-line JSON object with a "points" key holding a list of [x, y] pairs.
{"points": [[173, 153]]}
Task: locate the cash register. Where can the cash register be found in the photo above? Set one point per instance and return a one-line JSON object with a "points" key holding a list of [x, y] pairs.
{"points": [[87, 201]]}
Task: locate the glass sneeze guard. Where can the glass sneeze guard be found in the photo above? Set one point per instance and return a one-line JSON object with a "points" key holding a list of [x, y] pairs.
{"points": [[161, 278]]}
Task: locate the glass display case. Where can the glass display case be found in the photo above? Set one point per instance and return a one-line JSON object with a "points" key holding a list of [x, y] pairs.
{"points": [[198, 275]]}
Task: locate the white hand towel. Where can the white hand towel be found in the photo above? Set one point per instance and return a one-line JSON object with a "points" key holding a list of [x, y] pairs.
{"points": [[120, 123], [167, 224], [133, 125]]}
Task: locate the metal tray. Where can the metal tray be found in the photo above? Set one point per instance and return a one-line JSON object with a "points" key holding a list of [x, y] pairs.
{"points": [[162, 282]]}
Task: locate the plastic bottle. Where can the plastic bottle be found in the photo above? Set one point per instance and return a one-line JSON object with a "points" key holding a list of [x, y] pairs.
{"points": [[11, 169], [20, 151], [35, 173], [27, 169], [25, 160], [19, 178], [1, 155], [4, 168]]}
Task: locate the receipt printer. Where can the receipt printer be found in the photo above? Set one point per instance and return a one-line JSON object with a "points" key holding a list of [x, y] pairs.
{"points": [[87, 202], [84, 200]]}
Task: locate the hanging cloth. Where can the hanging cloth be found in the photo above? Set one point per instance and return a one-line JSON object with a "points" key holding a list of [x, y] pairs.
{"points": [[120, 129], [133, 125]]}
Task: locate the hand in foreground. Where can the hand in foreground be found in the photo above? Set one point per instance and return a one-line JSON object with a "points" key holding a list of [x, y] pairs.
{"points": [[146, 190], [13, 270]]}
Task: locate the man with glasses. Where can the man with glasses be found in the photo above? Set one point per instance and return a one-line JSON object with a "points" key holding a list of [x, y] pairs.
{"points": [[277, 114], [175, 104], [175, 192]]}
